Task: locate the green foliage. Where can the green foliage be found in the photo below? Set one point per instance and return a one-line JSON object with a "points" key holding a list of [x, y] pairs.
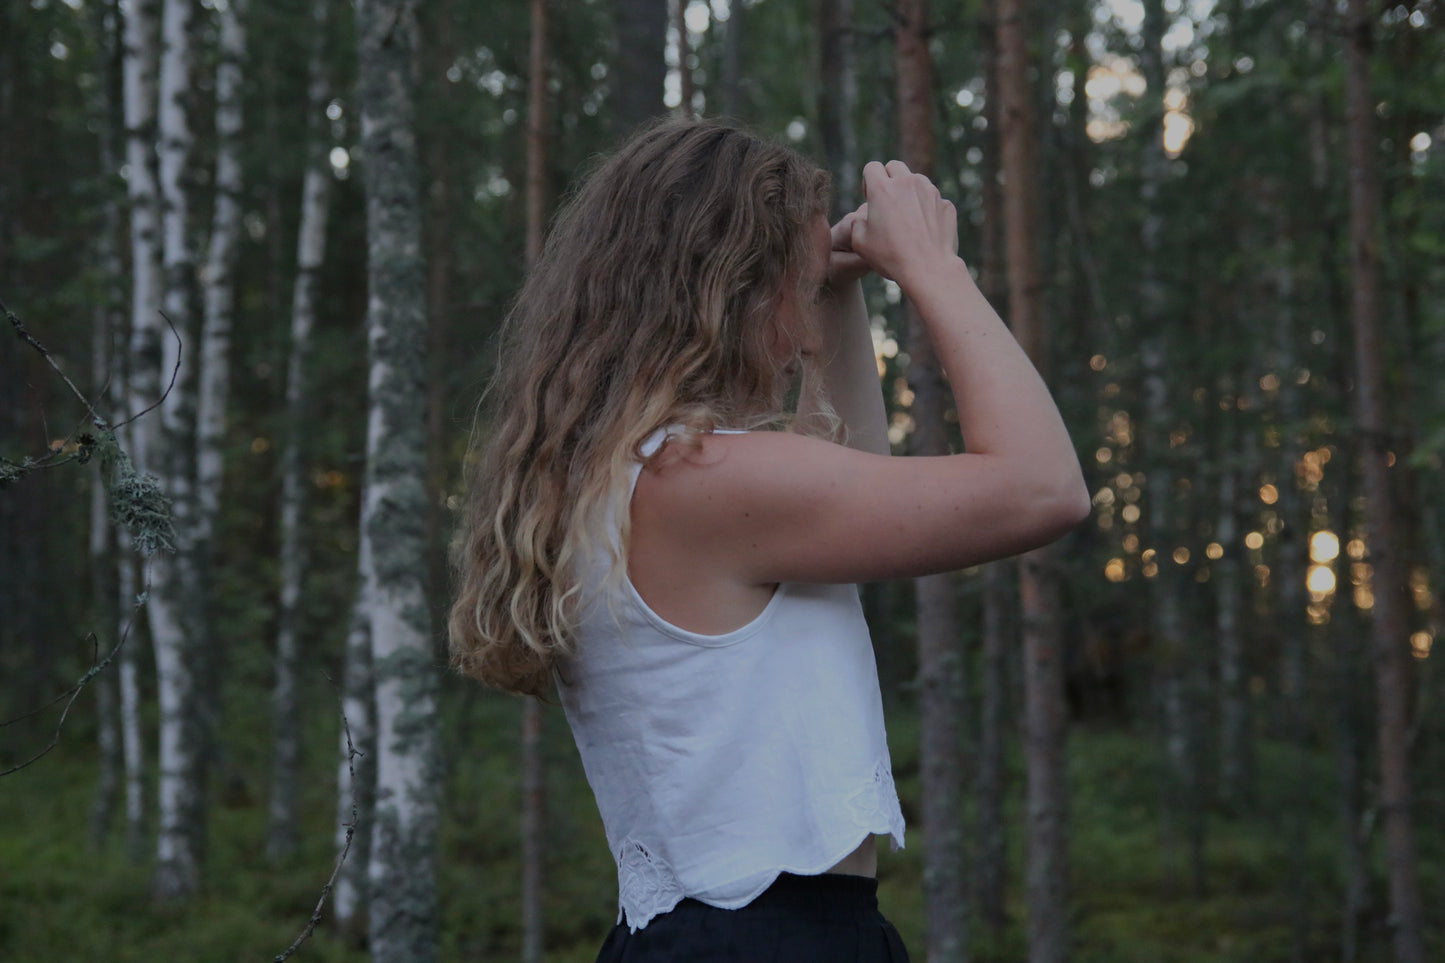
{"points": [[60, 899]]}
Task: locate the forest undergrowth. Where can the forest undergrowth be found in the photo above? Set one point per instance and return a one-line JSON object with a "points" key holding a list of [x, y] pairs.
{"points": [[63, 899]]}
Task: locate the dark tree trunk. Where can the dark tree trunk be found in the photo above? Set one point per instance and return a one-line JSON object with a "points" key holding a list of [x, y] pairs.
{"points": [[837, 100], [730, 97], [639, 68], [940, 650], [999, 600], [1045, 710], [1390, 627], [284, 832]]}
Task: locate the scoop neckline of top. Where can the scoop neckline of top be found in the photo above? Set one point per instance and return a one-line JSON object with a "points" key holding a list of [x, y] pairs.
{"points": [[722, 640]]}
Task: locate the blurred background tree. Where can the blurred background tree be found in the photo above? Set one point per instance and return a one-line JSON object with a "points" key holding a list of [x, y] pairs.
{"points": [[1245, 628]]}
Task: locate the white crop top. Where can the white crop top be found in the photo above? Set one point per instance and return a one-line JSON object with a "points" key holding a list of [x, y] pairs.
{"points": [[720, 761]]}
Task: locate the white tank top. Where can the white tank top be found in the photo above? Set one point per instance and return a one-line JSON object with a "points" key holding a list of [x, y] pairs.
{"points": [[720, 761]]}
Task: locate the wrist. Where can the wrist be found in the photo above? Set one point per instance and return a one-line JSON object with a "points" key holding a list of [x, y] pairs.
{"points": [[919, 277]]}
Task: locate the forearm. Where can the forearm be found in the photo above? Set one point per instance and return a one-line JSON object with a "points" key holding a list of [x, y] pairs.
{"points": [[849, 370]]}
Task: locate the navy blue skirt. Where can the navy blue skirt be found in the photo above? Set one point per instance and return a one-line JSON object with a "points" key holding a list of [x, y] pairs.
{"points": [[830, 918]]}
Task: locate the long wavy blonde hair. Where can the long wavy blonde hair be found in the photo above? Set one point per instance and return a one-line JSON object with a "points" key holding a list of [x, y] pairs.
{"points": [[653, 303]]}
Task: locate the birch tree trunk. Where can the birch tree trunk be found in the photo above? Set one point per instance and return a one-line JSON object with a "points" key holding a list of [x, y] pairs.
{"points": [[534, 771], [139, 66], [132, 737], [356, 774], [220, 274], [1045, 711], [940, 655], [403, 911], [213, 361], [687, 88], [283, 834], [175, 618], [139, 78], [103, 559], [1389, 617]]}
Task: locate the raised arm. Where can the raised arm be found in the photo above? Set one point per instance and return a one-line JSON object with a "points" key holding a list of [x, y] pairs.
{"points": [[777, 507], [849, 368]]}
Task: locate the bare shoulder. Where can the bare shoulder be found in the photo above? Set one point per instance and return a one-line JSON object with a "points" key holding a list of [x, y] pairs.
{"points": [[772, 506]]}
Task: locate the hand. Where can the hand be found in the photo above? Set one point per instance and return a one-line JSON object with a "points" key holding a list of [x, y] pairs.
{"points": [[844, 264], [906, 228]]}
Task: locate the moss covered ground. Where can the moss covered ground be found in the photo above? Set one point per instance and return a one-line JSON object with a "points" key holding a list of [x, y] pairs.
{"points": [[1272, 875]]}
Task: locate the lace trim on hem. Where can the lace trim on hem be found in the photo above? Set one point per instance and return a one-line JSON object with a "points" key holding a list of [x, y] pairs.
{"points": [[646, 885], [877, 802]]}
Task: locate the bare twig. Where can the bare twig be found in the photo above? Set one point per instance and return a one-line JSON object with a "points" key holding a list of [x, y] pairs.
{"points": [[351, 753], [85, 443], [31, 340], [73, 693], [175, 371]]}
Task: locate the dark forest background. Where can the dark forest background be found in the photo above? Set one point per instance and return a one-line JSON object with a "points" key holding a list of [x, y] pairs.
{"points": [[1218, 225]]}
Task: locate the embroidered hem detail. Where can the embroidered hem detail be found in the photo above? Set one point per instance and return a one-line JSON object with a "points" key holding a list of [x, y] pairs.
{"points": [[877, 802], [646, 884]]}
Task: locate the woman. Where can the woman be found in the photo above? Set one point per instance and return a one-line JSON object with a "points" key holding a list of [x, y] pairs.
{"points": [[652, 532]]}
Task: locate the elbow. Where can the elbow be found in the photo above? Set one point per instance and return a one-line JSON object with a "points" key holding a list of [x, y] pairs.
{"points": [[1067, 504]]}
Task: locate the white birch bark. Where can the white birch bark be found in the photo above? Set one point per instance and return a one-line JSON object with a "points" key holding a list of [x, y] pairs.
{"points": [[138, 71], [140, 63], [109, 319], [356, 776], [403, 911], [132, 739], [174, 620], [283, 835], [220, 272]]}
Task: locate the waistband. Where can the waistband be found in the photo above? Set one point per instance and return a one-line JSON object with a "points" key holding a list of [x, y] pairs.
{"points": [[826, 892]]}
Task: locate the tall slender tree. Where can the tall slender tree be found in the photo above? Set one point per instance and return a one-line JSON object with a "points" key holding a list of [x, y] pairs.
{"points": [[283, 834], [686, 86], [403, 909], [139, 78], [108, 327], [999, 598], [1389, 616], [356, 771], [837, 99], [177, 605], [940, 648], [638, 69], [1173, 656], [1045, 709], [220, 272]]}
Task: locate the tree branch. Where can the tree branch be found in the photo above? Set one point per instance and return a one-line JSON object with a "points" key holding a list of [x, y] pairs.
{"points": [[351, 754], [73, 693], [31, 340]]}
